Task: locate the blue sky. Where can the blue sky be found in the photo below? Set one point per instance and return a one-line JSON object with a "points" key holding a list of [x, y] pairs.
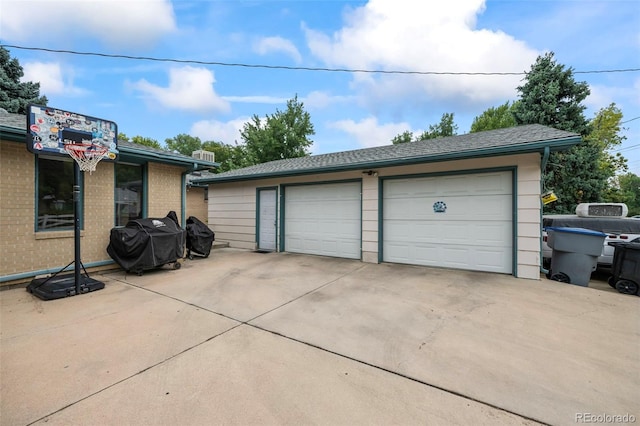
{"points": [[160, 100]]}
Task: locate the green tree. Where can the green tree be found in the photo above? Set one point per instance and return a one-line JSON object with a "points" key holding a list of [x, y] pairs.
{"points": [[123, 137], [146, 142], [284, 134], [229, 157], [551, 96], [15, 96], [494, 118], [575, 178], [605, 134], [184, 144], [403, 137], [629, 187], [446, 127]]}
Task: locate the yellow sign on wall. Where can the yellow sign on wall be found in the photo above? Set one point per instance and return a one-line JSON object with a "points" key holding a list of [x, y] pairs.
{"points": [[548, 197]]}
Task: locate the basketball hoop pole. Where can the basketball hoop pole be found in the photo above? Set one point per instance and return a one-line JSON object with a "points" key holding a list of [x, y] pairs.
{"points": [[76, 226], [87, 140]]}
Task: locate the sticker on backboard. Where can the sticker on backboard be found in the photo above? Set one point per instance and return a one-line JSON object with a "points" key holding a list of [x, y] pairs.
{"points": [[50, 128]]}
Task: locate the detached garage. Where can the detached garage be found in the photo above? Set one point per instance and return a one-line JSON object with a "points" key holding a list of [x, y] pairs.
{"points": [[468, 226], [465, 202], [323, 219]]}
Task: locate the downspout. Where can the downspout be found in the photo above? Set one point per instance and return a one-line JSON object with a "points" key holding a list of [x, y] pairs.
{"points": [[543, 166], [183, 198]]}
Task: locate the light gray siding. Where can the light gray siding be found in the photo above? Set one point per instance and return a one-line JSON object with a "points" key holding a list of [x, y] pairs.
{"points": [[232, 206]]}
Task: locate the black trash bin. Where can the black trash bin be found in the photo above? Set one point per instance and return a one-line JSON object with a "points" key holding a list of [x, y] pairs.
{"points": [[625, 269], [147, 244], [199, 237]]}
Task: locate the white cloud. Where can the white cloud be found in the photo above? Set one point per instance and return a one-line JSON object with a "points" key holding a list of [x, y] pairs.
{"points": [[602, 96], [190, 89], [423, 36], [268, 45], [368, 132], [116, 23], [52, 82], [317, 100], [219, 131]]}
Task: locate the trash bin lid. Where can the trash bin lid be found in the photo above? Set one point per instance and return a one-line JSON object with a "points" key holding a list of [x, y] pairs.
{"points": [[630, 245], [582, 231]]}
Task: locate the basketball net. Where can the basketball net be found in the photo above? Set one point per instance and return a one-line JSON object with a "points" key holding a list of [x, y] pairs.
{"points": [[87, 155]]}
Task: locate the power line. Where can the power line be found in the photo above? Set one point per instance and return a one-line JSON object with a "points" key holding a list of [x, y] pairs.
{"points": [[632, 119], [284, 67], [627, 147]]}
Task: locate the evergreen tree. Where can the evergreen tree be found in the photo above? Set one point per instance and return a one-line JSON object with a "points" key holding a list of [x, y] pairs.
{"points": [[551, 96], [15, 96]]}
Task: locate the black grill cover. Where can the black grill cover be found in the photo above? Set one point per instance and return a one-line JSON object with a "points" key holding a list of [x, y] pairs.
{"points": [[147, 243], [199, 236]]}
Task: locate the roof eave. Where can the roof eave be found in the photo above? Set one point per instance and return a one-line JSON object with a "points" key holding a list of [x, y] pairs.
{"points": [[12, 134], [133, 154], [553, 145]]}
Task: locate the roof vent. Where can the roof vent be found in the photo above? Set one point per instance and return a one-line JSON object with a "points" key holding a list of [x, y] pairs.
{"points": [[204, 155]]}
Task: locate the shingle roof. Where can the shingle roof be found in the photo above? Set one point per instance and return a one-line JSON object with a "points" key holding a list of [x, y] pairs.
{"points": [[17, 125], [520, 139], [8, 119]]}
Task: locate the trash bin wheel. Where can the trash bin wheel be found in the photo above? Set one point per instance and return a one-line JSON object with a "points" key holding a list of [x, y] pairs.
{"points": [[177, 265], [627, 287], [612, 281], [561, 277]]}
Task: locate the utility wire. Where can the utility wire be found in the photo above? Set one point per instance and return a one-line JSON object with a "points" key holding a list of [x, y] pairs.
{"points": [[627, 147], [284, 67], [632, 119]]}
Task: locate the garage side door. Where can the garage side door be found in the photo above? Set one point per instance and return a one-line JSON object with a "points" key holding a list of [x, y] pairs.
{"points": [[461, 221], [323, 219]]}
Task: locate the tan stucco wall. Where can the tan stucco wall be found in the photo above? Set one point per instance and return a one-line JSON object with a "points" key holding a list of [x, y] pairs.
{"points": [[232, 206], [25, 251]]}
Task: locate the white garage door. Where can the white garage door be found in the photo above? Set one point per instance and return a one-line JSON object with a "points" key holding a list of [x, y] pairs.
{"points": [[323, 219], [458, 221]]}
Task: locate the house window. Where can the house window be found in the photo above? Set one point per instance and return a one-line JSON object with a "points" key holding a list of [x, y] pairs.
{"points": [[54, 197], [129, 197]]}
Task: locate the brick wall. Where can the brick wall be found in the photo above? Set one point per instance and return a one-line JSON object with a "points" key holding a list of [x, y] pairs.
{"points": [[196, 204], [17, 186], [25, 251], [165, 191]]}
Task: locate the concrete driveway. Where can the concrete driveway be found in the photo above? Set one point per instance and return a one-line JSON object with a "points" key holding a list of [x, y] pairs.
{"points": [[251, 338]]}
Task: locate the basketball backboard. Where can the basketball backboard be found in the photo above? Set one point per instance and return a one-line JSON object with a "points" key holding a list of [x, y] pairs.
{"points": [[49, 129]]}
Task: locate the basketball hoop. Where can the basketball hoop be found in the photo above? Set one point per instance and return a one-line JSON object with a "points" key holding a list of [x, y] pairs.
{"points": [[87, 155]]}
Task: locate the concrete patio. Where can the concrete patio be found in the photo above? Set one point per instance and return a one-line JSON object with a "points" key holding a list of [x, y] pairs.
{"points": [[277, 338]]}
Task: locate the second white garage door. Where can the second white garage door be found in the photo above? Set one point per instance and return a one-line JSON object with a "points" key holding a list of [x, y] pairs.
{"points": [[323, 219], [458, 221]]}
